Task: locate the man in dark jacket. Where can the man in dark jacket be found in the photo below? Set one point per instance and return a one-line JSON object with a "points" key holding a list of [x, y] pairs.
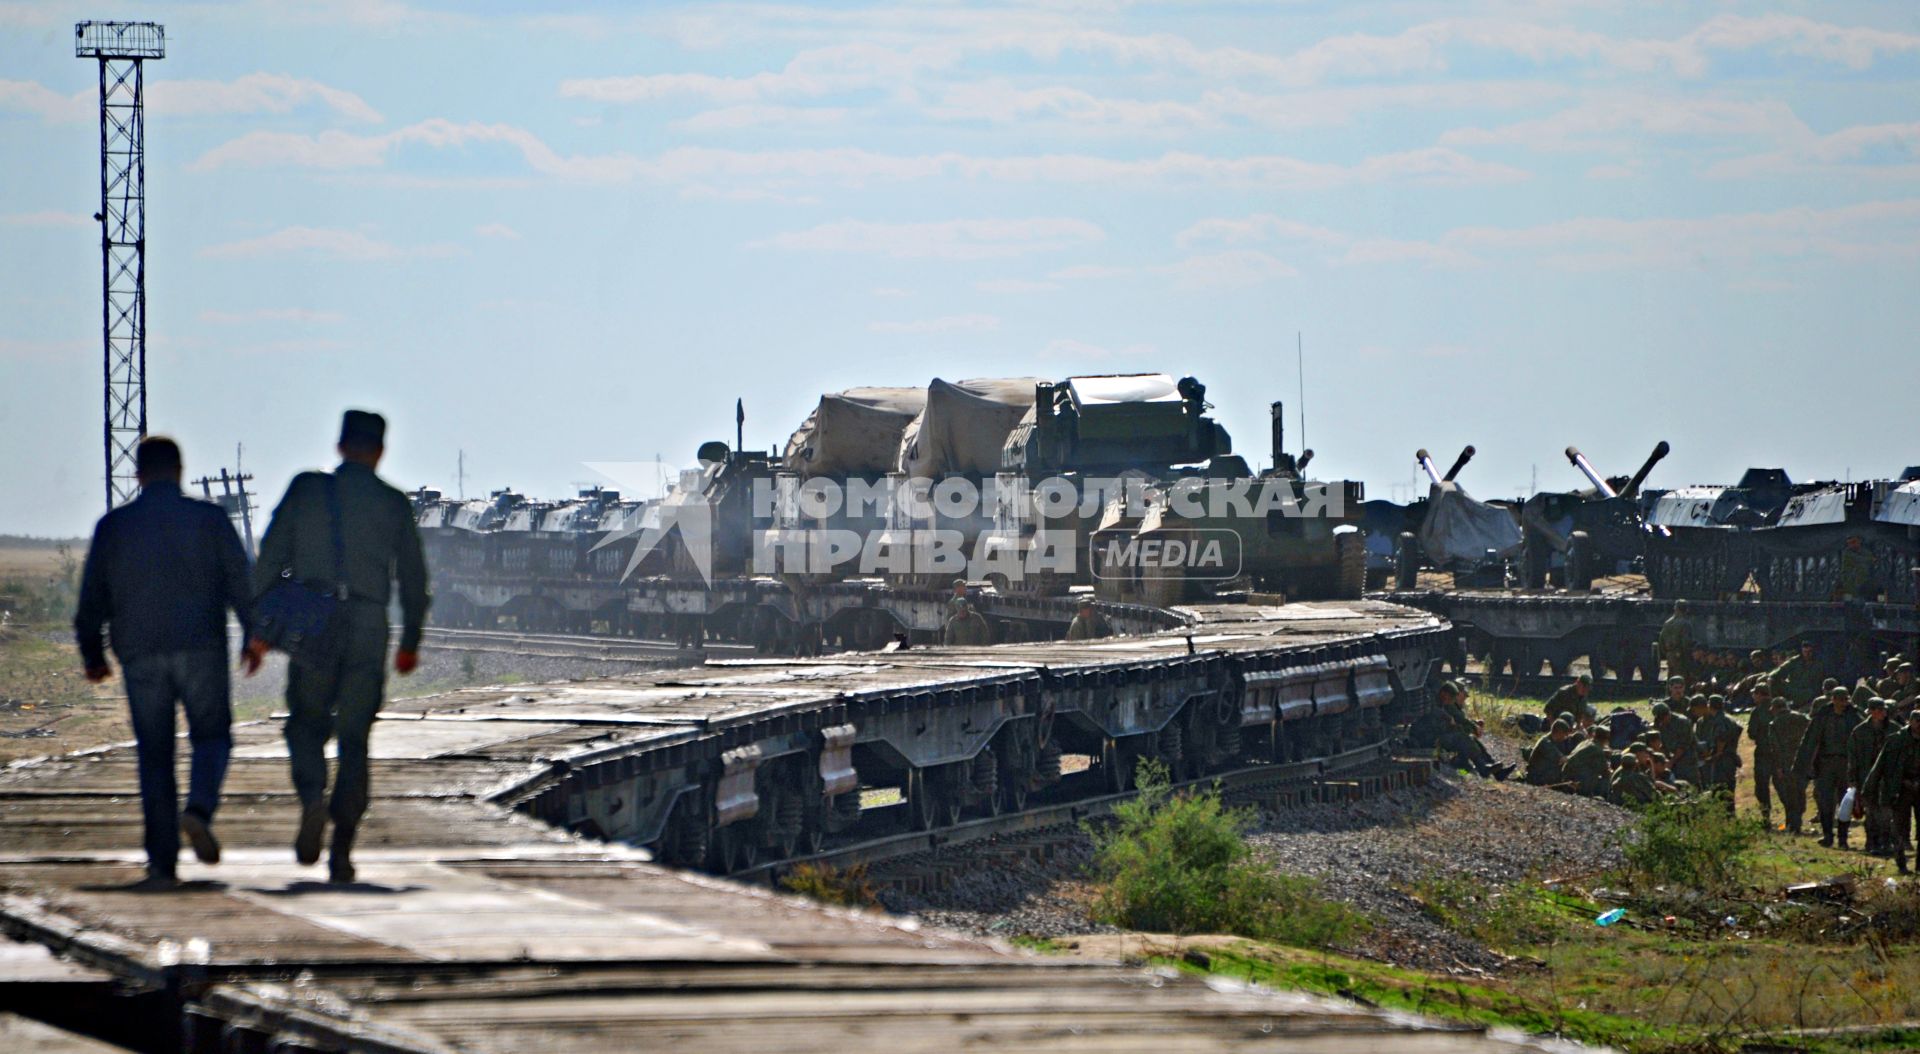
{"points": [[1763, 760], [162, 573], [1823, 757], [338, 698]]}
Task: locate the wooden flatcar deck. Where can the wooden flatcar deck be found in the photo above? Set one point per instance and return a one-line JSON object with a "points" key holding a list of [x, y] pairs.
{"points": [[474, 928]]}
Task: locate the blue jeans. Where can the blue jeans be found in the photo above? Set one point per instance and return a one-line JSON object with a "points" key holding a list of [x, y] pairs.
{"points": [[199, 682]]}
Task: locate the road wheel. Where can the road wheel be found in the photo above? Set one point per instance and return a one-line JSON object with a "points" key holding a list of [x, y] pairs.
{"points": [[1350, 558]]}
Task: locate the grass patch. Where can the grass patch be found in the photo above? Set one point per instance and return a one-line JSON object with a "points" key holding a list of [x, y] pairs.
{"points": [[1179, 863], [841, 887], [1697, 843]]}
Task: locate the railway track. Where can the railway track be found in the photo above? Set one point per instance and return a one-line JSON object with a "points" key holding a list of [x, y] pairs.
{"points": [[579, 646], [1354, 775]]}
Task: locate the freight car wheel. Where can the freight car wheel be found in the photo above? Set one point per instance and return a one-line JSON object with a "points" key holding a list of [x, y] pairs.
{"points": [[1116, 765], [921, 815]]}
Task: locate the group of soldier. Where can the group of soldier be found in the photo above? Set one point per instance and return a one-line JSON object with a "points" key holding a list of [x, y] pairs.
{"points": [[966, 627], [1691, 744]]}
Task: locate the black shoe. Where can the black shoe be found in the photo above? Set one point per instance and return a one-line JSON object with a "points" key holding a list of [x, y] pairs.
{"points": [[1826, 842], [313, 824], [154, 883], [199, 832], [340, 860]]}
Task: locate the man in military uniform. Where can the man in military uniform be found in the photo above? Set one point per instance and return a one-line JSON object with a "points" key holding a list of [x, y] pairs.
{"points": [[1758, 723], [1676, 735], [1459, 735], [967, 628], [1719, 742], [1800, 678], [1586, 767], [1546, 761], [1863, 749], [1571, 699], [1754, 672], [1894, 783], [1676, 643], [959, 598], [1088, 624], [337, 699], [1786, 731], [1857, 575], [1823, 757], [1904, 688], [1633, 783]]}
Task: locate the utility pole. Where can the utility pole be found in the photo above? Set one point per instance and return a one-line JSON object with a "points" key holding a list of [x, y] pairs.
{"points": [[233, 499], [122, 48]]}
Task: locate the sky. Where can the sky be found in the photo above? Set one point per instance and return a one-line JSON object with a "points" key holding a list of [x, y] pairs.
{"points": [[545, 235]]}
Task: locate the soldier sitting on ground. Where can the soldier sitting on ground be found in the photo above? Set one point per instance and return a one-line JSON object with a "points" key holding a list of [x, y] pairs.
{"points": [[1459, 735], [1546, 760], [1587, 768], [1633, 783], [1570, 699]]}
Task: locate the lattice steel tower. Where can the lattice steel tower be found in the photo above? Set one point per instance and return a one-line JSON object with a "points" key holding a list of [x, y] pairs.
{"points": [[122, 48]]}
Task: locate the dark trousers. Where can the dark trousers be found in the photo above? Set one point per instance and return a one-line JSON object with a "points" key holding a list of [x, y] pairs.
{"points": [[1829, 783], [1763, 785], [198, 682], [1792, 789], [338, 701]]}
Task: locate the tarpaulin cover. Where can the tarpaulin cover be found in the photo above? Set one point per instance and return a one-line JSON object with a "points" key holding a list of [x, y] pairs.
{"points": [[854, 433], [964, 426], [1902, 505], [1459, 528]]}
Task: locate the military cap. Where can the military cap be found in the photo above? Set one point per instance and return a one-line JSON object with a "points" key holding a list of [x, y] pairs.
{"points": [[1903, 666], [1837, 692], [1677, 679], [363, 426], [1717, 701], [1658, 756], [1696, 699], [1756, 655], [1679, 605], [1876, 703], [1661, 708], [1639, 747], [1452, 687], [1585, 678], [1561, 724], [1829, 685]]}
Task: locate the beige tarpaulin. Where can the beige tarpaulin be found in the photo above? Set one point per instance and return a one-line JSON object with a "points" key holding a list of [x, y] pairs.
{"points": [[854, 433], [964, 426]]}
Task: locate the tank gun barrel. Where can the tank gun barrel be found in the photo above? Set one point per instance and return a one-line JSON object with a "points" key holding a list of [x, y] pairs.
{"points": [[1660, 450], [1586, 469], [1426, 465], [1466, 455]]}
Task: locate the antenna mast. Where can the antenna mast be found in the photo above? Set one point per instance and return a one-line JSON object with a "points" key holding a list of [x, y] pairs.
{"points": [[1300, 360]]}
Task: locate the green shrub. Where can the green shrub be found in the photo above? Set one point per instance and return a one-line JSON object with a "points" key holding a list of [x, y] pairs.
{"points": [[1517, 916], [1692, 842], [1179, 863]]}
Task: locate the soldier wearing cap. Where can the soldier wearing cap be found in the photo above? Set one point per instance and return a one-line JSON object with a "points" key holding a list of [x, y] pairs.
{"points": [[1088, 623], [1459, 734], [1894, 783], [337, 698], [1857, 578], [1676, 732], [1546, 759], [1863, 749], [967, 628], [1823, 757], [1570, 699], [1719, 739], [1758, 729], [1800, 677], [1785, 732], [1632, 783], [1586, 767]]}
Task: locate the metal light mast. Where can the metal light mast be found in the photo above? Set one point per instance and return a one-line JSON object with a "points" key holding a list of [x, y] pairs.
{"points": [[122, 48]]}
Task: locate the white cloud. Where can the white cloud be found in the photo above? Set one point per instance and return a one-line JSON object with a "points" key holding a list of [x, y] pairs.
{"points": [[497, 230], [300, 315], [999, 102], [1232, 269], [1339, 246], [758, 115], [891, 292], [1616, 170], [1014, 286], [943, 324], [944, 240], [322, 241], [1882, 149], [48, 219], [1603, 121], [254, 93], [1068, 348]]}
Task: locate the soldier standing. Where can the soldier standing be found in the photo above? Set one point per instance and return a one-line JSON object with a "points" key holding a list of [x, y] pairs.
{"points": [[338, 697], [1800, 677], [1763, 760], [1894, 783], [1863, 749], [1856, 579], [1719, 740], [1088, 624], [1786, 730], [967, 628], [1823, 758], [1676, 643]]}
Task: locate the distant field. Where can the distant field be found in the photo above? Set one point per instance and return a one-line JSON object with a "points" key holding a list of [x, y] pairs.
{"points": [[34, 557]]}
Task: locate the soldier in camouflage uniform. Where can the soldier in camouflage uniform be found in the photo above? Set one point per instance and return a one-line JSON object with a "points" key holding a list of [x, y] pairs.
{"points": [[966, 628], [1676, 735], [1088, 624], [1718, 737], [1785, 731], [1633, 783], [338, 699], [1857, 579], [1823, 757], [1570, 700], [1758, 723], [1459, 735], [1676, 643], [1863, 749]]}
